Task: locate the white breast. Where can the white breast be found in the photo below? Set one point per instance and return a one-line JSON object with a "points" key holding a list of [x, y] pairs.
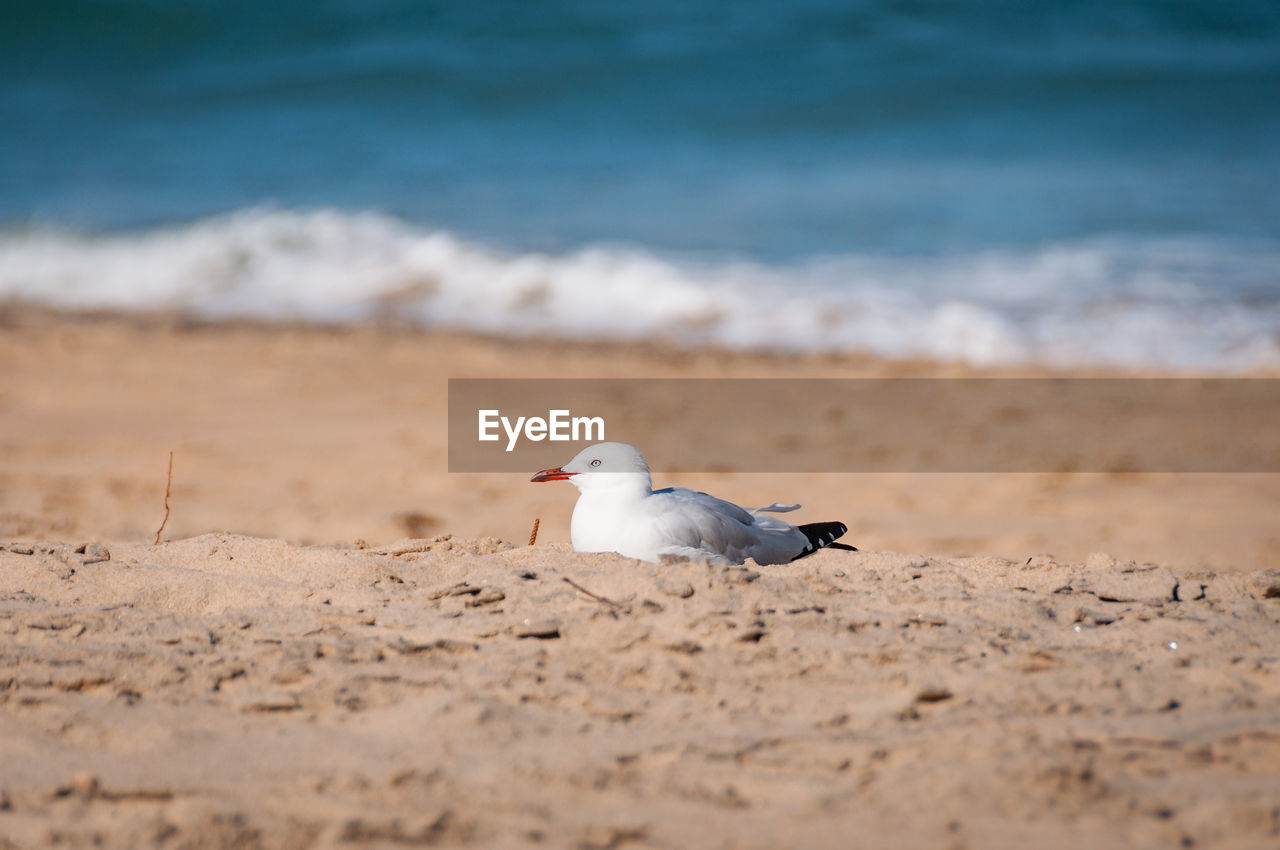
{"points": [[604, 524]]}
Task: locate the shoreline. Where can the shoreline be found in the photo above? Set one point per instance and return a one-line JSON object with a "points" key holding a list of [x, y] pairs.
{"points": [[17, 314]]}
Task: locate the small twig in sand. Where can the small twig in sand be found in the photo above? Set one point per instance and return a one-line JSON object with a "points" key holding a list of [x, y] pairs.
{"points": [[412, 548], [167, 484], [533, 535], [597, 597]]}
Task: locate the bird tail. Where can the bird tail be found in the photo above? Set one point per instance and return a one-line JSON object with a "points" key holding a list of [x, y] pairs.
{"points": [[822, 534]]}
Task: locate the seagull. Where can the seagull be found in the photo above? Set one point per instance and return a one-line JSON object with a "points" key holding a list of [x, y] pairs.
{"points": [[619, 511]]}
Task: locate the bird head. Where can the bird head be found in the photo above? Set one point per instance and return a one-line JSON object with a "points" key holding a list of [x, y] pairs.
{"points": [[604, 466]]}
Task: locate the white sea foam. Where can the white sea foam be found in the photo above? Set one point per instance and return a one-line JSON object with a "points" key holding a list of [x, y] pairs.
{"points": [[1195, 305]]}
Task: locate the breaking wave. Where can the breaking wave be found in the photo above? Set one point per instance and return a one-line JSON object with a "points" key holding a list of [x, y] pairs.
{"points": [[1198, 304]]}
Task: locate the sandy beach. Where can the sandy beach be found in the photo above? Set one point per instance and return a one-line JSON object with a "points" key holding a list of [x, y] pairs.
{"points": [[338, 643], [329, 436]]}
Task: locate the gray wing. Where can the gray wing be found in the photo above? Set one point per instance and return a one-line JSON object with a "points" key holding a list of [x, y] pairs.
{"points": [[776, 508], [697, 525]]}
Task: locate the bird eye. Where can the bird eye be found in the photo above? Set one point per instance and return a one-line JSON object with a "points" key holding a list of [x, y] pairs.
{"points": [[595, 462]]}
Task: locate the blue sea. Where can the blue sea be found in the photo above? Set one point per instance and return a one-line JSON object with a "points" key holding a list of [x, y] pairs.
{"points": [[1001, 182]]}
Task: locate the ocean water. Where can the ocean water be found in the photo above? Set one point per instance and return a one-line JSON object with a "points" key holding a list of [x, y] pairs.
{"points": [[1064, 182]]}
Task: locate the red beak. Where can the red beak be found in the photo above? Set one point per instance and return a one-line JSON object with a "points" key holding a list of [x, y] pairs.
{"points": [[553, 474]]}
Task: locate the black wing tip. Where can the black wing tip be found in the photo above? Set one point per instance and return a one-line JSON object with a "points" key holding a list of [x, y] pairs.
{"points": [[823, 535]]}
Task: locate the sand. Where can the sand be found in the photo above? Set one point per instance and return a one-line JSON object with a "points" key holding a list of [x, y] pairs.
{"points": [[338, 644], [332, 436], [234, 691]]}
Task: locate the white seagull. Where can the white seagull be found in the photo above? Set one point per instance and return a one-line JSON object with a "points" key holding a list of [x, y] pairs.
{"points": [[619, 511]]}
